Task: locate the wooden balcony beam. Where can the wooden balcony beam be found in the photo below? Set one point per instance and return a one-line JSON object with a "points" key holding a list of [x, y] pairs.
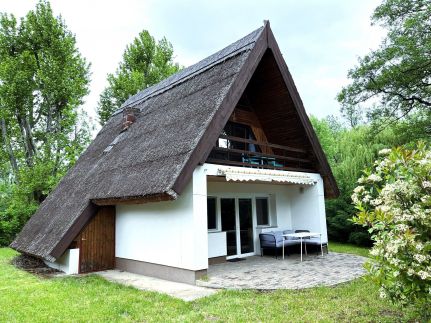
{"points": [[253, 153], [260, 143]]}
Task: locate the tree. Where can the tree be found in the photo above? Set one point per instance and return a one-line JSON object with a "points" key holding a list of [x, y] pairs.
{"points": [[43, 79], [394, 201], [398, 74], [145, 62], [349, 151], [353, 115]]}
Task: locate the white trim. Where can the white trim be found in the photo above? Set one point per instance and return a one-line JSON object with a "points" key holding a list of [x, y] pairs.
{"points": [[253, 197], [236, 197], [237, 228], [243, 255]]}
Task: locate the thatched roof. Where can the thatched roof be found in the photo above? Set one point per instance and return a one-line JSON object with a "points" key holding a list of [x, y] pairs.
{"points": [[179, 121]]}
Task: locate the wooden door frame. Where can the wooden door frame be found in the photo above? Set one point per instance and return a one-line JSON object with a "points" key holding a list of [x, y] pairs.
{"points": [[79, 244]]}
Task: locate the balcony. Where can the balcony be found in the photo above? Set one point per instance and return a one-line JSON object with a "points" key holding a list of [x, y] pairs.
{"points": [[237, 151]]}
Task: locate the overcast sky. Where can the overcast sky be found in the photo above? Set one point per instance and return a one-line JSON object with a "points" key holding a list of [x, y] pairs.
{"points": [[320, 40]]}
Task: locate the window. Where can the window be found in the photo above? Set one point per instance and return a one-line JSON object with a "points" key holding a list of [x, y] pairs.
{"points": [[243, 131], [212, 213], [262, 209]]}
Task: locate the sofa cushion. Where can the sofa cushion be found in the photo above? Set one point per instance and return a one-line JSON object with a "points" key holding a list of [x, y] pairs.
{"points": [[278, 235], [287, 243], [267, 239]]}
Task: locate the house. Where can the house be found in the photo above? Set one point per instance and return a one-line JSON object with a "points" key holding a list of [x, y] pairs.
{"points": [[189, 171]]}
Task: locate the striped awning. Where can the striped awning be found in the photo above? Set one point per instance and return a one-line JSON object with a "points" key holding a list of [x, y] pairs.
{"points": [[265, 175]]}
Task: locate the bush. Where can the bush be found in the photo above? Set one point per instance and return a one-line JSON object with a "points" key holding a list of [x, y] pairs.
{"points": [[394, 202], [340, 225], [19, 201], [360, 238]]}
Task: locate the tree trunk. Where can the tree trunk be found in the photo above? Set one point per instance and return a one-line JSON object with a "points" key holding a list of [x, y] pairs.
{"points": [[30, 138], [8, 146], [29, 146], [57, 130]]}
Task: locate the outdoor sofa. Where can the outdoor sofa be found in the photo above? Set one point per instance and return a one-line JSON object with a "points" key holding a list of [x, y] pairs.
{"points": [[274, 240]]}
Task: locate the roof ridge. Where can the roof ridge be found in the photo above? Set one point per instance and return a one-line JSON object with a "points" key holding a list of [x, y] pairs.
{"points": [[182, 80], [229, 51]]}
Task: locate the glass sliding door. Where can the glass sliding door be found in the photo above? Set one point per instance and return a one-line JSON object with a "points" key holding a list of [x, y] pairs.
{"points": [[237, 222], [245, 225], [228, 224]]}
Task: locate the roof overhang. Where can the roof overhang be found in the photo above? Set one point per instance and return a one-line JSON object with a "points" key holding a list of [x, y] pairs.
{"points": [[166, 196]]}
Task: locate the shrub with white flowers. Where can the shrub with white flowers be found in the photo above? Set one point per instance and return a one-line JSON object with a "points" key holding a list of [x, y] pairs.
{"points": [[394, 201]]}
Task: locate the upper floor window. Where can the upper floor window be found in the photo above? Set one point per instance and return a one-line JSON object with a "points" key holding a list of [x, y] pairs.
{"points": [[233, 129]]}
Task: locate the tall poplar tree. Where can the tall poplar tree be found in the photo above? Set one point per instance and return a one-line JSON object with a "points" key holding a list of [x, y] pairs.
{"points": [[43, 79], [145, 62]]}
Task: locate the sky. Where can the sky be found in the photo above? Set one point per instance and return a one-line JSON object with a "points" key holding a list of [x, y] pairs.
{"points": [[320, 40]]}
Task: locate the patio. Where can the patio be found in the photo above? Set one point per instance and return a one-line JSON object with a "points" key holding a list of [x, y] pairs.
{"points": [[268, 273]]}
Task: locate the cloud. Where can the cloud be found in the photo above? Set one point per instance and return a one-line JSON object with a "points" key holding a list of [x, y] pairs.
{"points": [[320, 40]]}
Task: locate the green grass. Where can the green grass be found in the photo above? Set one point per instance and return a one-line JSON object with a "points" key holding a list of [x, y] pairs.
{"points": [[26, 298], [348, 248]]}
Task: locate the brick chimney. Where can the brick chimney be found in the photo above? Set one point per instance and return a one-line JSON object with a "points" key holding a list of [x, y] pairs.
{"points": [[129, 116]]}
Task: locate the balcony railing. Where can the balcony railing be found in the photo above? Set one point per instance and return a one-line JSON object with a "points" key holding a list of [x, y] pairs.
{"points": [[236, 151]]}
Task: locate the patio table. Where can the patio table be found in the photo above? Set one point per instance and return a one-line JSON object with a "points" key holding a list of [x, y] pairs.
{"points": [[301, 236]]}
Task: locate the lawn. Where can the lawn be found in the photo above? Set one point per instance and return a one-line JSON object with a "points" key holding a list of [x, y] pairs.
{"points": [[348, 248], [24, 297]]}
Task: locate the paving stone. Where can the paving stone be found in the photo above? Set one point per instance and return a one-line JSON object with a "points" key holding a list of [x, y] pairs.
{"points": [[179, 290], [267, 273]]}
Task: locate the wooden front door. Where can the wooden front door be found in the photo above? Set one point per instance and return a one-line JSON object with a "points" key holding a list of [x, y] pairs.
{"points": [[97, 242]]}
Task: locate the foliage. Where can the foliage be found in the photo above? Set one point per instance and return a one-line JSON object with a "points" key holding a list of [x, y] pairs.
{"points": [[43, 79], [25, 297], [412, 129], [395, 78], [394, 201], [145, 62], [348, 151]]}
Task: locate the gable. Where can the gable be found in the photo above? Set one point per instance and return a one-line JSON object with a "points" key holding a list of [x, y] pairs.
{"points": [[267, 108], [290, 123], [283, 137], [273, 105]]}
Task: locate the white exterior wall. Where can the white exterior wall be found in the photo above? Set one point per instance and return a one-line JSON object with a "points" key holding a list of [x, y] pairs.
{"points": [[170, 233], [296, 206], [308, 207], [217, 244], [68, 262], [174, 233]]}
